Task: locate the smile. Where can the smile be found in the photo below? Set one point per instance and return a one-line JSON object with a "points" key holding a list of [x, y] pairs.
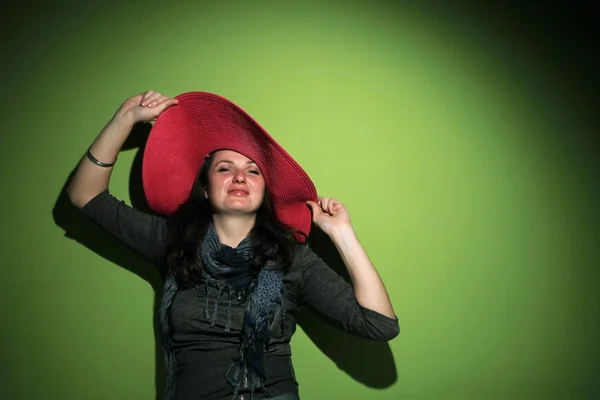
{"points": [[238, 193]]}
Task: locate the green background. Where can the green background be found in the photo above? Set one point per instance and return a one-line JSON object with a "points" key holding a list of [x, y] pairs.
{"points": [[460, 139]]}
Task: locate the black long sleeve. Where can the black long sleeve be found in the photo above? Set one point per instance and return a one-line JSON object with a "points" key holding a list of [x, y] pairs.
{"points": [[332, 298], [143, 232]]}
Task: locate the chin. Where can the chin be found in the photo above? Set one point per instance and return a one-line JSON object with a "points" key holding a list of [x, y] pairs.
{"points": [[240, 210]]}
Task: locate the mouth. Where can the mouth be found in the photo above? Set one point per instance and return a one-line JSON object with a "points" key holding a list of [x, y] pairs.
{"points": [[238, 192]]}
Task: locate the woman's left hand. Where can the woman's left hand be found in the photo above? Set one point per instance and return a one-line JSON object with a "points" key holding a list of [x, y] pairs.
{"points": [[329, 214]]}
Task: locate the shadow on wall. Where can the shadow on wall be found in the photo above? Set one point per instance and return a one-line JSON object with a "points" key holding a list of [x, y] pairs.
{"points": [[85, 231], [368, 362]]}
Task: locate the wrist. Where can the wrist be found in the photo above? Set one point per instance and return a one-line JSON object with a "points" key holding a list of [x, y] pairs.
{"points": [[123, 120], [342, 232]]}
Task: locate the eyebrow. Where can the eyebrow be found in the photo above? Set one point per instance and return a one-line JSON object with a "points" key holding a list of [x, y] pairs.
{"points": [[231, 162]]}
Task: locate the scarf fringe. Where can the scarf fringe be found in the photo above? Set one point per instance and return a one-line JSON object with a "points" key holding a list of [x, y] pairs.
{"points": [[231, 270]]}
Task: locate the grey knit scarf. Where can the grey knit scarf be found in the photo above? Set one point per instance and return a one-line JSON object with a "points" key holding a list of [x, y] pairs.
{"points": [[231, 271]]}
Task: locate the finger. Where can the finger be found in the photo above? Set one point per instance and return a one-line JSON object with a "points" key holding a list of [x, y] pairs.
{"points": [[145, 96], [158, 101], [323, 201], [138, 98], [330, 206], [314, 207], [165, 104], [153, 100]]}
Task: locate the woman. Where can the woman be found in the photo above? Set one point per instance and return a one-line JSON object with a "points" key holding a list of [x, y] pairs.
{"points": [[233, 211]]}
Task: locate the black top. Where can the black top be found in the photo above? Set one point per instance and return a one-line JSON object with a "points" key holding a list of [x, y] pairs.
{"points": [[204, 352]]}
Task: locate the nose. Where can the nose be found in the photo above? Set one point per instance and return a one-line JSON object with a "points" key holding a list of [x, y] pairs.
{"points": [[240, 176]]}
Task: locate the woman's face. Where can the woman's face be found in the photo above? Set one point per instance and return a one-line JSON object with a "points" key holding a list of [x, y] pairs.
{"points": [[235, 184]]}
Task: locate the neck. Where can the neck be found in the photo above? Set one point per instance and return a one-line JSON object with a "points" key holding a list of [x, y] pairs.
{"points": [[232, 229]]}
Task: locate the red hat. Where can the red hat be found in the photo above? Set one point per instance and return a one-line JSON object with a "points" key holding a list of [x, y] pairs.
{"points": [[185, 134]]}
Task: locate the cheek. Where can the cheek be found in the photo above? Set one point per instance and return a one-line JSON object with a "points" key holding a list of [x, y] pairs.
{"points": [[211, 192], [260, 185], [209, 188], [214, 183], [261, 190]]}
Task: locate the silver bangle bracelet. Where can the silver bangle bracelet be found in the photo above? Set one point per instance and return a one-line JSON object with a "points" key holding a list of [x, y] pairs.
{"points": [[98, 162]]}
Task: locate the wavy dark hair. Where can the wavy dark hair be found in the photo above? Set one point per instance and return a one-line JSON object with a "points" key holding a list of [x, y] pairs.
{"points": [[187, 226]]}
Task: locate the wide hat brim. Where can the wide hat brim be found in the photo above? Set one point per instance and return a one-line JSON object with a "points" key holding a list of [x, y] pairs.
{"points": [[185, 134]]}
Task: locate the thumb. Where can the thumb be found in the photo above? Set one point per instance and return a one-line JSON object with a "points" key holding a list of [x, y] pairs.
{"points": [[164, 105], [314, 207]]}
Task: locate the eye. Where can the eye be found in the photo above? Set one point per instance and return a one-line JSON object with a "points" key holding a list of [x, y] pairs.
{"points": [[222, 169], [254, 172]]}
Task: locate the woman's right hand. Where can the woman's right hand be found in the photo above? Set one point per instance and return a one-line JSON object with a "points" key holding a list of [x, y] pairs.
{"points": [[145, 107]]}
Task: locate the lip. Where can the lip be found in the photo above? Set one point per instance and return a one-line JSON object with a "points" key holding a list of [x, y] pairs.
{"points": [[238, 192]]}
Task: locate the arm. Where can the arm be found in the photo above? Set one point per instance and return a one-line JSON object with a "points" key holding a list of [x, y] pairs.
{"points": [[368, 287], [144, 233], [91, 179], [331, 216], [88, 189], [332, 298]]}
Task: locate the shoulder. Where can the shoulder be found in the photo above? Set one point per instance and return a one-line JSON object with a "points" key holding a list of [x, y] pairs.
{"points": [[302, 254], [305, 259]]}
